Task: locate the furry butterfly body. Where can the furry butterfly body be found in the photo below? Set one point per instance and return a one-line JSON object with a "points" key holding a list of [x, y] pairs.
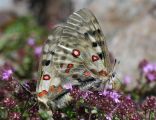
{"points": [[75, 54]]}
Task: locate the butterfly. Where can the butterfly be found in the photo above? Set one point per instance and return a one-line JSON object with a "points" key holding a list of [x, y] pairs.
{"points": [[75, 54]]}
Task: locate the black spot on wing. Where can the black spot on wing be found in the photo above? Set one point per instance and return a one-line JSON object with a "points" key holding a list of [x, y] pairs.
{"points": [[94, 44], [100, 43], [99, 31], [45, 62], [101, 55], [52, 53]]}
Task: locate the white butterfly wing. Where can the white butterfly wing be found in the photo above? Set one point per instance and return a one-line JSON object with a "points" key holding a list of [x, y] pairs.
{"points": [[75, 51]]}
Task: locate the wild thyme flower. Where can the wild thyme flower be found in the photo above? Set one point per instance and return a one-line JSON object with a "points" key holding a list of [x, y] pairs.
{"points": [[113, 94], [135, 116], [31, 41], [126, 108], [150, 72], [109, 101], [85, 94], [35, 118], [6, 74], [68, 86], [149, 104], [105, 100], [14, 116], [12, 85], [127, 80], [108, 117], [33, 111], [9, 102], [142, 64], [38, 50]]}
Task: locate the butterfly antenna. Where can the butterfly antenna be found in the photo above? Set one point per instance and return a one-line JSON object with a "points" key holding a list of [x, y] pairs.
{"points": [[115, 66]]}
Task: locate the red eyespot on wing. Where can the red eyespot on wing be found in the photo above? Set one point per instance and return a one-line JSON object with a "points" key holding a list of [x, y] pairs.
{"points": [[103, 73], [95, 58], [67, 70], [52, 89], [43, 93], [59, 89], [75, 53], [87, 73], [46, 77], [70, 65]]}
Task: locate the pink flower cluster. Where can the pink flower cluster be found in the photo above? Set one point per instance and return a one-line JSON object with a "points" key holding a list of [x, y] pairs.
{"points": [[149, 70]]}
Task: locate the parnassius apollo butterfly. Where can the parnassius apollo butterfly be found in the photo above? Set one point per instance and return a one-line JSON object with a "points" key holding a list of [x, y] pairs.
{"points": [[74, 54]]}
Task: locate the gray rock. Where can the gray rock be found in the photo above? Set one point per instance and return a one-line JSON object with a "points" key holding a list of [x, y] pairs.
{"points": [[115, 15], [130, 30], [136, 42]]}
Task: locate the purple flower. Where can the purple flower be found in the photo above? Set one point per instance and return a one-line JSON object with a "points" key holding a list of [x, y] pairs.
{"points": [[127, 80], [14, 116], [31, 41], [9, 102], [38, 50], [68, 86], [150, 72], [149, 67], [142, 64], [108, 117], [149, 104], [103, 93], [7, 74], [35, 118], [86, 94], [114, 95]]}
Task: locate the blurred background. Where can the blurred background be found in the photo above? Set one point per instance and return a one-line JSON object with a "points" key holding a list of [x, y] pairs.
{"points": [[128, 25]]}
